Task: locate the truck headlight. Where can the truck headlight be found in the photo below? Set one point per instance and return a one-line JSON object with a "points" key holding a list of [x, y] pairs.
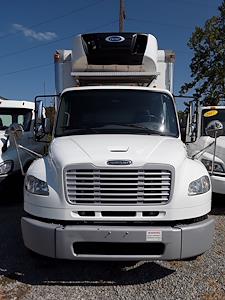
{"points": [[199, 186], [218, 167], [36, 186], [6, 167]]}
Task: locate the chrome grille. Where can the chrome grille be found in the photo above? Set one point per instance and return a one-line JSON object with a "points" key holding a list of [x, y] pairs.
{"points": [[117, 186]]}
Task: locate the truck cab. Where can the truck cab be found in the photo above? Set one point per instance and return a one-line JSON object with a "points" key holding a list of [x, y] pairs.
{"points": [[16, 112], [117, 183], [197, 139]]}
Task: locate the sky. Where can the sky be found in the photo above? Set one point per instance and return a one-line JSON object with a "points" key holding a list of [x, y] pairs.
{"points": [[31, 31]]}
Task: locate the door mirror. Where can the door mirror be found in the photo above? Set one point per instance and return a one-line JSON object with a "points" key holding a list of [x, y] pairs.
{"points": [[39, 120], [47, 126], [214, 129], [44, 115], [42, 124], [39, 112], [191, 124], [183, 134]]}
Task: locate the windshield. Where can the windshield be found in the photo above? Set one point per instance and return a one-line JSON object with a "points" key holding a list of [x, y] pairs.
{"points": [[15, 115], [209, 115], [116, 111]]}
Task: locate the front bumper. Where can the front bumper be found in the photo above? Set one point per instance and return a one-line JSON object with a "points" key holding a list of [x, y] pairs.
{"points": [[98, 242], [218, 184]]}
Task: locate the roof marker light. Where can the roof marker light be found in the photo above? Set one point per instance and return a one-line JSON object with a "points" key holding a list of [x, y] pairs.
{"points": [[56, 56]]}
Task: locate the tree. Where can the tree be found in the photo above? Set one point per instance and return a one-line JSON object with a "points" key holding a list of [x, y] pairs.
{"points": [[208, 63]]}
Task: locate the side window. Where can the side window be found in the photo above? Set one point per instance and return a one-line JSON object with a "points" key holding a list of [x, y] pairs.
{"points": [[21, 119], [25, 120], [5, 120], [15, 115], [169, 115]]}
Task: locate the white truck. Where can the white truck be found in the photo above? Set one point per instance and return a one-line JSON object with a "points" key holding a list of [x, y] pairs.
{"points": [[117, 183], [199, 116], [20, 112]]}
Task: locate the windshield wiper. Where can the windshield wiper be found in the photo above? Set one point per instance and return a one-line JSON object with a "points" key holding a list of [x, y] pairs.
{"points": [[79, 130], [109, 127], [149, 130], [131, 126]]}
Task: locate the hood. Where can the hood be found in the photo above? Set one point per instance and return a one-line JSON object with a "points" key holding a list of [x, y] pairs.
{"points": [[98, 149]]}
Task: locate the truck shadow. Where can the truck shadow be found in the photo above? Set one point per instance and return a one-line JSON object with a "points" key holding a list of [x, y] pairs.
{"points": [[18, 264], [218, 204]]}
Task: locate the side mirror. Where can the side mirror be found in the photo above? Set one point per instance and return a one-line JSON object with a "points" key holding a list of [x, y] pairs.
{"points": [[43, 129], [44, 115], [47, 126], [214, 129], [39, 120], [183, 134], [39, 112], [193, 130]]}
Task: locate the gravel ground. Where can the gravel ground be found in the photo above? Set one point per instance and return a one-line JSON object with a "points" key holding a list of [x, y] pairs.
{"points": [[26, 276]]}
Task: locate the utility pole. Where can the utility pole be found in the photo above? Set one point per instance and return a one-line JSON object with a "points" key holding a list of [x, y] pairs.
{"points": [[122, 16]]}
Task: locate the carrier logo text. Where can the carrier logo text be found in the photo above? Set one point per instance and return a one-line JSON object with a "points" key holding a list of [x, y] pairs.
{"points": [[114, 39]]}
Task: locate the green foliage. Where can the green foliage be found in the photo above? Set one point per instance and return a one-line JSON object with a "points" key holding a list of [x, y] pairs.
{"points": [[208, 63]]}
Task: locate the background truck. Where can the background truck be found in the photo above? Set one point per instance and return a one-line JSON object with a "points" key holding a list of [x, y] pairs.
{"points": [[117, 182], [199, 116], [20, 112]]}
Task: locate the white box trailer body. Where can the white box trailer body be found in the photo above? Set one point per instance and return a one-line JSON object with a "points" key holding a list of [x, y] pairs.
{"points": [[21, 112], [152, 66], [203, 116], [117, 183]]}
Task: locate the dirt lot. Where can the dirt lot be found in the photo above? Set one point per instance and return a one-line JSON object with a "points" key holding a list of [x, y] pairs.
{"points": [[26, 276]]}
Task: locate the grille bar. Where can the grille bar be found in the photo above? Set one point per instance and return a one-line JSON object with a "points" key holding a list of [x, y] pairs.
{"points": [[112, 186], [115, 173], [133, 178], [114, 200], [109, 184], [115, 194]]}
